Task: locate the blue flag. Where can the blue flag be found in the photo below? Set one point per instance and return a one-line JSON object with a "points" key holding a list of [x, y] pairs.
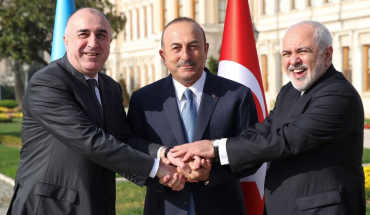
{"points": [[63, 10]]}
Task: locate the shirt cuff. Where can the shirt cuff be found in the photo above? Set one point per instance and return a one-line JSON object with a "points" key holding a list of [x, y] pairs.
{"points": [[224, 159], [155, 167], [159, 152]]}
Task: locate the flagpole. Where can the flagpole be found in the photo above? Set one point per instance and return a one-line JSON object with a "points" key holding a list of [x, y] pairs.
{"points": [[64, 8]]}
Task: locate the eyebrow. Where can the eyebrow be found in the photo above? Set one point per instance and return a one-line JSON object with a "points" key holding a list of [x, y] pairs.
{"points": [[299, 49], [87, 30], [192, 42]]}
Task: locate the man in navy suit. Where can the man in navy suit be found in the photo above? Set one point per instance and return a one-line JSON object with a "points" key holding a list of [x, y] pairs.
{"points": [[313, 138], [224, 109]]}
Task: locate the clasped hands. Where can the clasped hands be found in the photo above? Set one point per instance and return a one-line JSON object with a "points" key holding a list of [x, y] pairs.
{"points": [[177, 170]]}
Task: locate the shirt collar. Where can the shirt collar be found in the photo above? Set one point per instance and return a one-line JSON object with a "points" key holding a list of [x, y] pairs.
{"points": [[196, 88], [96, 78]]}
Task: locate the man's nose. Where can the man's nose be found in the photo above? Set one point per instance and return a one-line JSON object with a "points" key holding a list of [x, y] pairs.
{"points": [[295, 59], [92, 41], [185, 55]]}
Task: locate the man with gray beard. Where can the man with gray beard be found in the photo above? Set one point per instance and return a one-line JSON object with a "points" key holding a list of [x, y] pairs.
{"points": [[312, 139]]}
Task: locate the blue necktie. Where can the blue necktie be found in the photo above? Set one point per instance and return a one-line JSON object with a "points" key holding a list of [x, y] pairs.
{"points": [[189, 117]]}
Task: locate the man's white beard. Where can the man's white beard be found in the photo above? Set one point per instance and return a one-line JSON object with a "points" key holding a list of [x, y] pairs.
{"points": [[311, 78]]}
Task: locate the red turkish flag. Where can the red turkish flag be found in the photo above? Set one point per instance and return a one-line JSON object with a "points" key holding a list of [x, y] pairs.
{"points": [[239, 62]]}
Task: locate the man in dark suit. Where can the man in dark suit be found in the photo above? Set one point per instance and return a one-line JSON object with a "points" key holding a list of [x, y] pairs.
{"points": [[313, 138], [223, 108], [71, 131]]}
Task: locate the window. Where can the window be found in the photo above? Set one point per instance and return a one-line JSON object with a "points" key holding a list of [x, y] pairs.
{"points": [[280, 6], [196, 10], [367, 67], [347, 63], [138, 24], [310, 3], [131, 24], [180, 8], [264, 73], [165, 12], [222, 4], [294, 4], [145, 23], [263, 7]]}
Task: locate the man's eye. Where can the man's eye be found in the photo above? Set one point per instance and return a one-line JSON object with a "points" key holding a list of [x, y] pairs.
{"points": [[102, 35], [176, 49], [83, 35]]}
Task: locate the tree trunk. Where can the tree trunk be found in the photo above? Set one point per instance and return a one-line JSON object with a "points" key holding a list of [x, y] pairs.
{"points": [[18, 84]]}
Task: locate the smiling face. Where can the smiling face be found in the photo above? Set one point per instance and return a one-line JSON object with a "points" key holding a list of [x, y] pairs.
{"points": [[87, 41], [184, 51], [302, 62]]}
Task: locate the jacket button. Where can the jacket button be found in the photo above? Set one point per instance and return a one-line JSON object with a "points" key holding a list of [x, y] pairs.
{"points": [[186, 202]]}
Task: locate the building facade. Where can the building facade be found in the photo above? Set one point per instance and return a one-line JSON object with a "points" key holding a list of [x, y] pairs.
{"points": [[135, 58]]}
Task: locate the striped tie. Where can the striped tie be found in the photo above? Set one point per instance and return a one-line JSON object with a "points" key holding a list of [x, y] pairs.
{"points": [[189, 117]]}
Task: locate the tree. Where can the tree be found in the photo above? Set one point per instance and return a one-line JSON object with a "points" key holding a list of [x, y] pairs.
{"points": [[213, 65], [26, 31], [126, 97]]}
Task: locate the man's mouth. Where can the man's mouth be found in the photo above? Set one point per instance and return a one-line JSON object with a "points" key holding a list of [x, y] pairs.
{"points": [[91, 54], [299, 71]]}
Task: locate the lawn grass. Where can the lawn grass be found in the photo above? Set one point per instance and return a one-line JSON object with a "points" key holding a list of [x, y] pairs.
{"points": [[366, 156], [11, 128], [9, 160], [130, 199], [10, 133]]}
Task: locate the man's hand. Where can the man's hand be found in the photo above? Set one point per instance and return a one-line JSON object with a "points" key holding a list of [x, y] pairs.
{"points": [[169, 176], [199, 174], [201, 148], [179, 162]]}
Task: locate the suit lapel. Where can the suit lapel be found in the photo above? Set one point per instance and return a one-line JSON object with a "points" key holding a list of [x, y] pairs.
{"points": [[88, 97], [208, 103], [171, 109], [108, 103]]}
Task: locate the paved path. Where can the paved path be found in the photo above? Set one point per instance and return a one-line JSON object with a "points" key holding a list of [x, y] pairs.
{"points": [[366, 138], [6, 190]]}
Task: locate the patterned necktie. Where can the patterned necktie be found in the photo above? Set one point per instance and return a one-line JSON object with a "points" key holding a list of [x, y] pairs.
{"points": [[189, 117], [92, 83]]}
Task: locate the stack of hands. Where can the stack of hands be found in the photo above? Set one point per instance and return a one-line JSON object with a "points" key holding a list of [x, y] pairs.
{"points": [[185, 163]]}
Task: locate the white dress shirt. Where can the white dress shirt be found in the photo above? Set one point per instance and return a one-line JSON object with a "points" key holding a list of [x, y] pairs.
{"points": [[196, 88], [224, 159]]}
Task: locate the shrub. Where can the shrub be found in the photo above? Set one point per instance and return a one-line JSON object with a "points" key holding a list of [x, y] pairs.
{"points": [[8, 103], [367, 176], [9, 140], [3, 119]]}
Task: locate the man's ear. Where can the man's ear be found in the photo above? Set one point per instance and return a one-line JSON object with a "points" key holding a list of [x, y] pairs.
{"points": [[328, 55], [163, 56], [65, 39]]}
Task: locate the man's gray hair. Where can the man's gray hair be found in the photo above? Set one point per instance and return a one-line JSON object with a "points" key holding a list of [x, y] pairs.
{"points": [[323, 37]]}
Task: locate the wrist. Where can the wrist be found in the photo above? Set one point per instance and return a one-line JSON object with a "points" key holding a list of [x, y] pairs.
{"points": [[166, 151], [216, 152]]}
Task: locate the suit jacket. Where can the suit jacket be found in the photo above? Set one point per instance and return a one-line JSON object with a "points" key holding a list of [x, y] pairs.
{"points": [[226, 109], [68, 162], [314, 143]]}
